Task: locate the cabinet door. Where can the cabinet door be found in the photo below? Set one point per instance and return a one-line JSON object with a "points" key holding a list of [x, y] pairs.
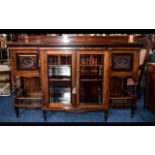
{"points": [[59, 78], [92, 85]]}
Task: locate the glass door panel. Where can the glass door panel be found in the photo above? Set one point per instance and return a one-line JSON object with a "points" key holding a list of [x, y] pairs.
{"points": [[91, 78], [91, 92], [60, 78]]}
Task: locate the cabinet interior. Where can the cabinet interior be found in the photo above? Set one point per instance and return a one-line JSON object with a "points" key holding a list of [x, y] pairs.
{"points": [[60, 78], [91, 78]]}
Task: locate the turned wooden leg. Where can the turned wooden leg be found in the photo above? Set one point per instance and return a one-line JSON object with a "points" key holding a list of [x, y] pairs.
{"points": [[17, 112], [45, 115], [106, 115]]}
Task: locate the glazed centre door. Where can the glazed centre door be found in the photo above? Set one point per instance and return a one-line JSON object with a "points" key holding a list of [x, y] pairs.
{"points": [[93, 79], [59, 78], [75, 80]]}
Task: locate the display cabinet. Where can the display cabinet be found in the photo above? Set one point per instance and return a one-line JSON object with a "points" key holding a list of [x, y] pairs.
{"points": [[74, 80], [75, 74], [58, 72]]}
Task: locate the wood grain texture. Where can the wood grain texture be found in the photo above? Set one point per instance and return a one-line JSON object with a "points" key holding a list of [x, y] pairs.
{"points": [[78, 46]]}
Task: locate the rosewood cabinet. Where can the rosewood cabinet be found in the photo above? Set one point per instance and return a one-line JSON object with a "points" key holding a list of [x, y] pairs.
{"points": [[83, 74]]}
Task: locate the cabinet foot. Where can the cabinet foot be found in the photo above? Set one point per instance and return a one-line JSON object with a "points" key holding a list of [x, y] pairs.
{"points": [[106, 115], [17, 112], [45, 115]]}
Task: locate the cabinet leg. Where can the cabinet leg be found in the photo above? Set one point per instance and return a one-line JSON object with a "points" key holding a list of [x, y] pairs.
{"points": [[17, 112], [45, 115], [106, 115], [132, 112]]}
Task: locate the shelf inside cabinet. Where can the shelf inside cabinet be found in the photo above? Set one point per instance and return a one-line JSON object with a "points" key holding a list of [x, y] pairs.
{"points": [[32, 100], [91, 65], [90, 79], [121, 98], [60, 79], [59, 72], [59, 60], [91, 92], [121, 101], [59, 65], [91, 60], [93, 72], [60, 92]]}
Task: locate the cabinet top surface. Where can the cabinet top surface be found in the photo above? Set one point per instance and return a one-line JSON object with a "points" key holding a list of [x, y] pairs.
{"points": [[80, 41]]}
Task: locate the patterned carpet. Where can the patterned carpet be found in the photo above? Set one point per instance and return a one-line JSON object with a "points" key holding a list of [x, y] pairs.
{"points": [[7, 114]]}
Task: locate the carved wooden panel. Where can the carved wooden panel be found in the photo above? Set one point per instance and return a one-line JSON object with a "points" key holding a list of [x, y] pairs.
{"points": [[27, 61], [122, 62]]}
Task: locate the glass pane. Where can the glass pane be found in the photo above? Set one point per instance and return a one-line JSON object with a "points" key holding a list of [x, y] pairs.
{"points": [[91, 92], [60, 79], [91, 77], [93, 72], [60, 92], [60, 72]]}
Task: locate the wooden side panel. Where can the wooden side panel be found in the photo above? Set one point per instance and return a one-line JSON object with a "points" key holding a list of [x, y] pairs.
{"points": [[106, 82], [44, 79], [14, 63], [32, 86]]}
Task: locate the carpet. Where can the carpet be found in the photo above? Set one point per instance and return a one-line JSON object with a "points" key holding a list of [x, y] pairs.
{"points": [[7, 114]]}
